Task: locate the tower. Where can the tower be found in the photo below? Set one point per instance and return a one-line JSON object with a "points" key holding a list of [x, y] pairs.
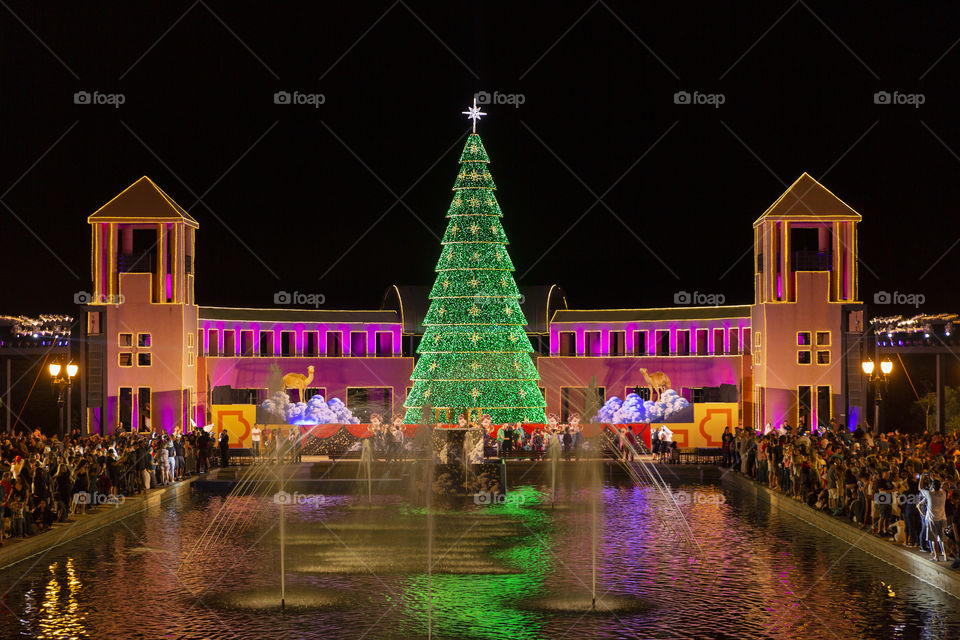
{"points": [[806, 310], [141, 319]]}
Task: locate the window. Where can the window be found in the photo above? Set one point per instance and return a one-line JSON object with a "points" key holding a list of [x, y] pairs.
{"points": [[746, 340], [311, 344], [125, 339], [718, 349], [756, 339], [591, 343], [384, 344], [823, 357], [697, 394], [573, 400], [266, 343], [125, 413], [126, 359], [363, 401], [313, 391], [804, 394], [229, 342], [191, 359], [93, 323], [246, 343], [823, 338], [334, 344], [213, 343], [702, 342], [568, 343], [187, 397], [252, 395], [639, 343], [358, 344], [143, 340], [190, 339], [803, 357], [288, 344], [823, 406], [683, 342], [144, 359], [143, 408], [663, 343], [618, 341], [734, 335], [640, 390], [803, 339]]}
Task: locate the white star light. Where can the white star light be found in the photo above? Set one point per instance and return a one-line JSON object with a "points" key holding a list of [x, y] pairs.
{"points": [[473, 113]]}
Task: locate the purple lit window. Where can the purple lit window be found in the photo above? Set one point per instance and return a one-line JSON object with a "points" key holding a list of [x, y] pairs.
{"points": [[358, 344]]}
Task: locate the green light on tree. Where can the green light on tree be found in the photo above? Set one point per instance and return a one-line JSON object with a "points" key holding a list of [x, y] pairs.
{"points": [[475, 352]]}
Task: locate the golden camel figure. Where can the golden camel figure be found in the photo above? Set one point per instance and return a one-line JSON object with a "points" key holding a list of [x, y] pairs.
{"points": [[299, 381], [657, 380]]}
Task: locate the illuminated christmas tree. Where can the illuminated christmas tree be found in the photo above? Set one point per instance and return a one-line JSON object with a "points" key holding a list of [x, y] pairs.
{"points": [[475, 354]]}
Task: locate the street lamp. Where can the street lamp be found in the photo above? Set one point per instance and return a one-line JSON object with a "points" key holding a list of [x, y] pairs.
{"points": [[879, 382], [62, 379]]}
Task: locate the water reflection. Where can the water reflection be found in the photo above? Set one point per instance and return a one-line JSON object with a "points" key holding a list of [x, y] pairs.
{"points": [[364, 571], [59, 614]]}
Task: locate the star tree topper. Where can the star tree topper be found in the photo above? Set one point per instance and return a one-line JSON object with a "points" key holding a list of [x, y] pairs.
{"points": [[474, 113]]}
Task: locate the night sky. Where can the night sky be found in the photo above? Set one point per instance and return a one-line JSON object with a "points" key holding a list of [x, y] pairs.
{"points": [[293, 197], [287, 190]]}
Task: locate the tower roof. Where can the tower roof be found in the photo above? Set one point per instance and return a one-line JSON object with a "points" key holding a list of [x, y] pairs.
{"points": [[143, 201], [807, 198]]}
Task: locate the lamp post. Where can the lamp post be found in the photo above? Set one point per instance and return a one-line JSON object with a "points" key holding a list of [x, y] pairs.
{"points": [[62, 379], [879, 382]]}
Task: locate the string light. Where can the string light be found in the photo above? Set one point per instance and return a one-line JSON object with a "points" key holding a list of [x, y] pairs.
{"points": [[475, 351]]}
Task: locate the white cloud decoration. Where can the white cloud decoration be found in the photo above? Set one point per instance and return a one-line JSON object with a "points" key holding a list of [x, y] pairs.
{"points": [[633, 409], [315, 411]]}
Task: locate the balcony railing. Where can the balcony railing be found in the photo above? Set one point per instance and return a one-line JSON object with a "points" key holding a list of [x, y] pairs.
{"points": [[804, 260], [135, 262]]}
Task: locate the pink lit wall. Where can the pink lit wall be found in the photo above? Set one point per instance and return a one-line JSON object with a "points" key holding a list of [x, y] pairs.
{"points": [[300, 330], [334, 375], [167, 374], [618, 375], [733, 329], [779, 373]]}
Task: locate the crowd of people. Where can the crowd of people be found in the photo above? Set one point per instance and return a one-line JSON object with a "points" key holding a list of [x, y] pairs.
{"points": [[44, 480], [902, 487], [512, 440]]}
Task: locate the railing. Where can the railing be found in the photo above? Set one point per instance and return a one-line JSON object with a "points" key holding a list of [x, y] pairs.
{"points": [[804, 260], [135, 262]]}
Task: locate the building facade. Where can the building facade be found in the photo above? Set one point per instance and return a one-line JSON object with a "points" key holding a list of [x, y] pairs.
{"points": [[153, 358]]}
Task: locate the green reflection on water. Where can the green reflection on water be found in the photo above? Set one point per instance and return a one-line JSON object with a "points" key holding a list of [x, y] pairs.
{"points": [[492, 610]]}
